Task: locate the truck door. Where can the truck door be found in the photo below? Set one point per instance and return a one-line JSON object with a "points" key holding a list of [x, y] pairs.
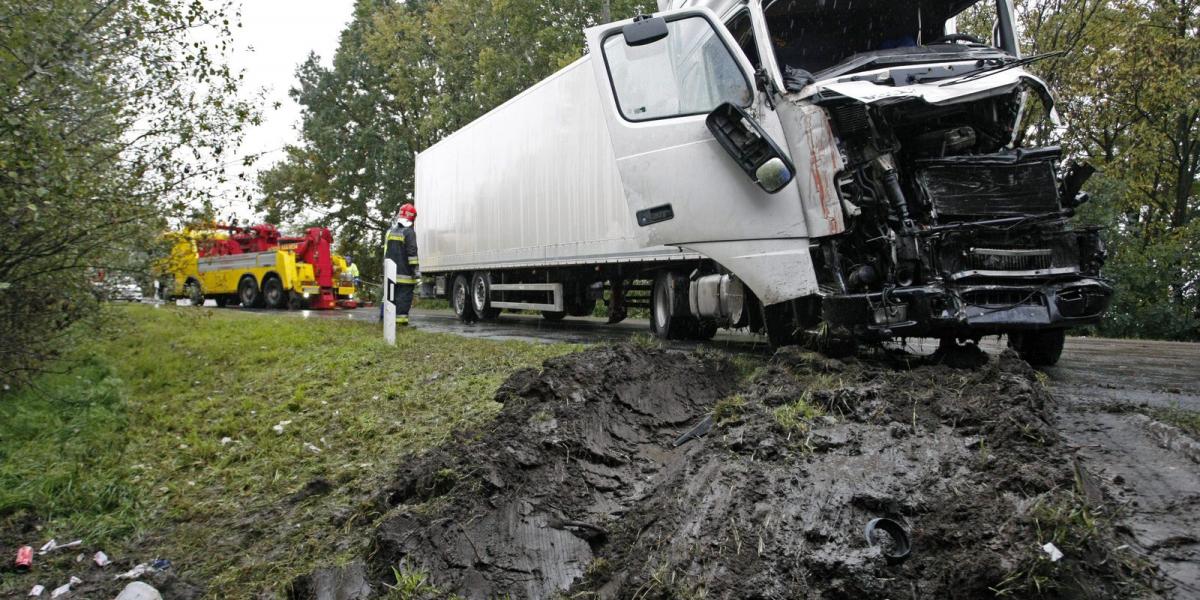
{"points": [[657, 85]]}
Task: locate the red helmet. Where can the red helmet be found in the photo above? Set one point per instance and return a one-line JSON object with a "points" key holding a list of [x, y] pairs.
{"points": [[408, 211]]}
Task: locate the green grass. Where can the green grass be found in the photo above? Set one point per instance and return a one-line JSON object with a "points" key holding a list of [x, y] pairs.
{"points": [[158, 439], [1186, 420]]}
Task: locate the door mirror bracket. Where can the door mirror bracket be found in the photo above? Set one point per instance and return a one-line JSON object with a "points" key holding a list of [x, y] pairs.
{"points": [[751, 147]]}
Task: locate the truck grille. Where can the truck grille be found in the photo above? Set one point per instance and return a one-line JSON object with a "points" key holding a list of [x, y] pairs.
{"points": [[988, 187], [996, 298], [997, 259]]}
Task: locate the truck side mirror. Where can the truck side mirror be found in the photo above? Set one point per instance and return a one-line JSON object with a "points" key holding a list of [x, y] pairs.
{"points": [[751, 148], [644, 30]]}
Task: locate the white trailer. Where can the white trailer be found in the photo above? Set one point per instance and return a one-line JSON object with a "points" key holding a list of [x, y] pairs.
{"points": [[766, 164]]}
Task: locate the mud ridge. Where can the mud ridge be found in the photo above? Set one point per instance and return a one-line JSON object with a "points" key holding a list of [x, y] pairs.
{"points": [[576, 488]]}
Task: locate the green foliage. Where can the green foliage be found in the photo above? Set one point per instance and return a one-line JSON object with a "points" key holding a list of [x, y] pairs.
{"points": [[161, 440], [112, 115]]}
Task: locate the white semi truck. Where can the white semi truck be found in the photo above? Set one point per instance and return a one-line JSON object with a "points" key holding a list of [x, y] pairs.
{"points": [[769, 164]]}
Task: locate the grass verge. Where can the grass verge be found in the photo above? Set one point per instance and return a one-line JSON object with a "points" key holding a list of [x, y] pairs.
{"points": [[245, 448]]}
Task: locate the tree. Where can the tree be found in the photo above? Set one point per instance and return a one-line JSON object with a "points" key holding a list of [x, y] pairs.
{"points": [[111, 115]]}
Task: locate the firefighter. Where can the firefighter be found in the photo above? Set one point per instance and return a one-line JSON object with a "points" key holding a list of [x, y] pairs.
{"points": [[401, 247]]}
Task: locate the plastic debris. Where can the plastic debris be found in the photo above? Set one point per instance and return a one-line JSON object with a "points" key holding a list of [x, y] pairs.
{"points": [[226, 440], [279, 427], [101, 559], [37, 590], [160, 564], [61, 590], [53, 545], [1053, 552], [75, 580], [311, 448], [139, 591], [135, 572]]}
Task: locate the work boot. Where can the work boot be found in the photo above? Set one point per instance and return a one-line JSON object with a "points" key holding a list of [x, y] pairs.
{"points": [[401, 321]]}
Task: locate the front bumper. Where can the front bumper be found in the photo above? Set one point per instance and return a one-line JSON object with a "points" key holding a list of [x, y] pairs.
{"points": [[966, 310]]}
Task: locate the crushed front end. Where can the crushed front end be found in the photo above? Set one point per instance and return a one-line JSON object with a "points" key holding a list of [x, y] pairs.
{"points": [[953, 229]]}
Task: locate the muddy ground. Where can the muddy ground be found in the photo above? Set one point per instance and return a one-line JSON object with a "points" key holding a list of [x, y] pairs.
{"points": [[577, 487]]}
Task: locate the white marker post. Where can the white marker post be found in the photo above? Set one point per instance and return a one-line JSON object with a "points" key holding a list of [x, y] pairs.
{"points": [[389, 301]]}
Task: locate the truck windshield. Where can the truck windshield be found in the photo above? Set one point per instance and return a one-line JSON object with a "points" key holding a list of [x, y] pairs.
{"points": [[816, 35]]}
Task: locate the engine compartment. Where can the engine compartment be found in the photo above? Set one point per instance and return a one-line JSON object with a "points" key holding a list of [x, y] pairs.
{"points": [[954, 229]]}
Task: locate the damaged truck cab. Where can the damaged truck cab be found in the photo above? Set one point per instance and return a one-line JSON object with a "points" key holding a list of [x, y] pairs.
{"points": [[859, 162]]}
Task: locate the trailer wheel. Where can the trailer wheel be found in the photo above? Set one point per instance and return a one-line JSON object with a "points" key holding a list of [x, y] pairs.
{"points": [[273, 293], [481, 292], [248, 292], [194, 293], [669, 315], [1039, 348], [460, 298]]}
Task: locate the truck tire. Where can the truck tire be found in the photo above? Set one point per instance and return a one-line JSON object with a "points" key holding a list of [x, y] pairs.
{"points": [[1039, 348], [705, 330], [670, 318], [460, 299], [194, 293], [481, 293], [553, 315], [248, 292], [273, 293]]}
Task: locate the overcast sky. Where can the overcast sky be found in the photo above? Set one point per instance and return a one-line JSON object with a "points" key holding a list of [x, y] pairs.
{"points": [[275, 37]]}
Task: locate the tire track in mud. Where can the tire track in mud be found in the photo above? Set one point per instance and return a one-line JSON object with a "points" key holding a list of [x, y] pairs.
{"points": [[576, 488]]}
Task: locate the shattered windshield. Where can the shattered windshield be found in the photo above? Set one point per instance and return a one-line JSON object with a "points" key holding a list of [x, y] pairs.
{"points": [[815, 35]]}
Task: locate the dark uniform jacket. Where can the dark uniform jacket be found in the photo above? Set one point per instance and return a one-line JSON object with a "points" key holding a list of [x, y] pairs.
{"points": [[401, 247]]}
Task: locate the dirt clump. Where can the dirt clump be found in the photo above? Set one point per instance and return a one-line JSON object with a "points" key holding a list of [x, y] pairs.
{"points": [[577, 488]]}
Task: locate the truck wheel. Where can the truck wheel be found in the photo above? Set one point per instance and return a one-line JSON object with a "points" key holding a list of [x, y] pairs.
{"points": [[783, 329], [553, 315], [669, 316], [194, 293], [273, 293], [460, 299], [295, 301], [481, 291], [248, 292], [1039, 348], [705, 330]]}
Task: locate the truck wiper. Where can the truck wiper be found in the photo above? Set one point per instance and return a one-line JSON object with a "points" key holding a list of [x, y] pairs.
{"points": [[1019, 62]]}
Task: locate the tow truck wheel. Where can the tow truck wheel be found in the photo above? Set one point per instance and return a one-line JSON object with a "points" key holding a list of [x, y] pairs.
{"points": [[295, 301], [273, 293], [248, 292], [460, 299], [1039, 348], [194, 293], [481, 290]]}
